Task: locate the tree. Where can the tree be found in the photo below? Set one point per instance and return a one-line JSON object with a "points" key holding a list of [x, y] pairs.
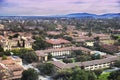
{"points": [[97, 43], [68, 38], [79, 75], [67, 60], [1, 49], [29, 74], [77, 53], [75, 74], [4, 57], [117, 64], [114, 37], [82, 58], [30, 57], [50, 56], [97, 38], [91, 76], [95, 56], [98, 72], [15, 35], [26, 54], [40, 44], [46, 68], [89, 34], [115, 75], [63, 74]]}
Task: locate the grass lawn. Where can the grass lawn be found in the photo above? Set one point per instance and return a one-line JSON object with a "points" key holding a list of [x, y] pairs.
{"points": [[104, 76], [108, 41]]}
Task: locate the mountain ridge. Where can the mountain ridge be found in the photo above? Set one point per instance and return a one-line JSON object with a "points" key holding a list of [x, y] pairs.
{"points": [[73, 15]]}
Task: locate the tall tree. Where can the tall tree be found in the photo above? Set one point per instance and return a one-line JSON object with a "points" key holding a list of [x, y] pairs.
{"points": [[79, 75], [98, 72], [46, 68], [29, 74], [115, 75]]}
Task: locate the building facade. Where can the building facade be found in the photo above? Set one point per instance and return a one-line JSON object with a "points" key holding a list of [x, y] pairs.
{"points": [[87, 65]]}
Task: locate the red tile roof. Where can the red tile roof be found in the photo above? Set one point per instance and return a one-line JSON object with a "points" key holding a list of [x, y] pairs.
{"points": [[53, 33], [57, 41], [62, 65]]}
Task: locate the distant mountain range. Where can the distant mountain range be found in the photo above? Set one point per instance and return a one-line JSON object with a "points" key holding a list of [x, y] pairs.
{"points": [[87, 15], [73, 15]]}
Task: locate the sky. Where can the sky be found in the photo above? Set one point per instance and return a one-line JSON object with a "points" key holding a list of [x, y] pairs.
{"points": [[57, 7]]}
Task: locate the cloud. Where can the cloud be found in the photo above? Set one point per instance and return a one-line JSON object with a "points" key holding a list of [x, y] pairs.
{"points": [[58, 7]]}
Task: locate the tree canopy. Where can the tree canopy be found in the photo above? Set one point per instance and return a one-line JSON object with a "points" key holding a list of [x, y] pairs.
{"points": [[29, 74], [75, 74], [46, 68], [40, 43], [115, 75]]}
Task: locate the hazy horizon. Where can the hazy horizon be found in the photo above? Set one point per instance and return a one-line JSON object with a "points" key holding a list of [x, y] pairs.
{"points": [[57, 7]]}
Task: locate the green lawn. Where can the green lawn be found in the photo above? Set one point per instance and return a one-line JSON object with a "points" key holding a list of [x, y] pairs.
{"points": [[108, 41], [104, 76]]}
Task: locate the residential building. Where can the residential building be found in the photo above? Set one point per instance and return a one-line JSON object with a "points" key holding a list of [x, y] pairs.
{"points": [[109, 48], [116, 31], [2, 27], [58, 43], [16, 43], [59, 52], [11, 67], [42, 56], [87, 65], [53, 33], [102, 36], [4, 73]]}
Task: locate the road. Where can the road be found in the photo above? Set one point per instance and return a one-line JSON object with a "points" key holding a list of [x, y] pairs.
{"points": [[111, 70]]}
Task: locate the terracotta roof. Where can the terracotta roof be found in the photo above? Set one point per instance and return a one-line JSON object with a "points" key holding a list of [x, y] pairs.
{"points": [[10, 60], [30, 40], [1, 66], [57, 41], [109, 48], [116, 31], [82, 38], [53, 33], [62, 65], [1, 37], [14, 68], [59, 64], [42, 52]]}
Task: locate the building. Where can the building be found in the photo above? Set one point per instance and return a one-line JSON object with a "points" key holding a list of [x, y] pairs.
{"points": [[116, 31], [4, 73], [59, 27], [2, 27], [102, 36], [60, 52], [109, 48], [58, 43], [87, 65], [42, 56], [11, 68], [53, 33], [16, 43]]}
